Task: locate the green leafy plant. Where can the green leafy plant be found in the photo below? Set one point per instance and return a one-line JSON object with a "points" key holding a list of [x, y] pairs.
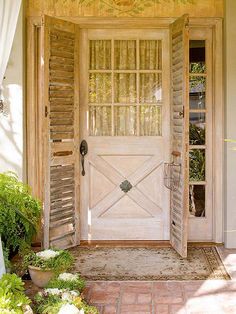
{"points": [[197, 165], [50, 301], [19, 213], [56, 260], [12, 297], [196, 135], [67, 281]]}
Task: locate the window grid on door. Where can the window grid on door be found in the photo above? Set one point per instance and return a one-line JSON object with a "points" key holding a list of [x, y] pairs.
{"points": [[198, 128], [125, 99]]}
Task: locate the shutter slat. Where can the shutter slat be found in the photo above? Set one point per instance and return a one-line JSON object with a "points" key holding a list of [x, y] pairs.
{"points": [[179, 197], [61, 228]]}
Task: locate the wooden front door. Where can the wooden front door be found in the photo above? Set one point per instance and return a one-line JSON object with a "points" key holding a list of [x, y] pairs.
{"points": [[125, 120]]}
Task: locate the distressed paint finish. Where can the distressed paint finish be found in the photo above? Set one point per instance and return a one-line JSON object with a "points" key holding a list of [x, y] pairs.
{"points": [[150, 8]]}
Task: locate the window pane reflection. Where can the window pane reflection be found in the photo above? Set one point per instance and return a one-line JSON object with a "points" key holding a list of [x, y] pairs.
{"points": [[197, 124], [197, 165], [150, 88], [197, 200]]}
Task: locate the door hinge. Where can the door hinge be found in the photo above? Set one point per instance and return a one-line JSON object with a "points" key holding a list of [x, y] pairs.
{"points": [[46, 111]]}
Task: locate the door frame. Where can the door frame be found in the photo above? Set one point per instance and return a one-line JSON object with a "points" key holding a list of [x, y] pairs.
{"points": [[35, 109]]}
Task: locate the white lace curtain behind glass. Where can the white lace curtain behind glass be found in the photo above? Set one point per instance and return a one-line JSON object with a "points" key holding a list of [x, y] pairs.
{"points": [[125, 87]]}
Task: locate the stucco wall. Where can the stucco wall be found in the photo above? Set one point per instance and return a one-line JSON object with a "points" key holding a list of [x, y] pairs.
{"points": [[11, 123], [119, 8], [230, 123]]}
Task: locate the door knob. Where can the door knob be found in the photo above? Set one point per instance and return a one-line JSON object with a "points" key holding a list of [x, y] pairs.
{"points": [[83, 152]]}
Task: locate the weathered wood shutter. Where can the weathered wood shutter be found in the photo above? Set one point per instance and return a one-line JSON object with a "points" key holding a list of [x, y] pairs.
{"points": [[180, 131], [61, 138]]}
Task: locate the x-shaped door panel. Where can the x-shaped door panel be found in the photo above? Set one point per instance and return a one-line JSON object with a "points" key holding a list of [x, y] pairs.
{"points": [[134, 193]]}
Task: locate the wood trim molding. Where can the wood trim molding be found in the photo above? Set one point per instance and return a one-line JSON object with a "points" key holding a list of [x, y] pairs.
{"points": [[218, 127], [136, 22], [33, 100]]}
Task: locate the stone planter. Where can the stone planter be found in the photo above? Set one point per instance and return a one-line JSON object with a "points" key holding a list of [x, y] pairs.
{"points": [[40, 277]]}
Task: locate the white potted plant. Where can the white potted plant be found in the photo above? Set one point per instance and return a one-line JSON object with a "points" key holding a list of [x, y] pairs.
{"points": [[44, 265]]}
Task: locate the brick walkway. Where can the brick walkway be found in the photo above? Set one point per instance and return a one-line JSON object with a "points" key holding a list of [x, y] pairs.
{"points": [[185, 297], [163, 297]]}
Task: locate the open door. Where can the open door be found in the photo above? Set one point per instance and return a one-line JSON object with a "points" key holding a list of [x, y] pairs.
{"points": [[180, 131], [59, 71]]}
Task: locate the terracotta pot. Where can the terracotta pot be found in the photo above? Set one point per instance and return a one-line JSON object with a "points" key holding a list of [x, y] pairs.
{"points": [[40, 277]]}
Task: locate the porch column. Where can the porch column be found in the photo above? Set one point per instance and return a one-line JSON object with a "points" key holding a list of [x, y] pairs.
{"points": [[230, 124]]}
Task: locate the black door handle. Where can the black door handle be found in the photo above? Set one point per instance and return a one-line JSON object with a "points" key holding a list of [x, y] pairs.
{"points": [[83, 152]]}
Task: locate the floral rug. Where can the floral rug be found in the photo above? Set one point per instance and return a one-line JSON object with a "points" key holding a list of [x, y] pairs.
{"points": [[126, 263]]}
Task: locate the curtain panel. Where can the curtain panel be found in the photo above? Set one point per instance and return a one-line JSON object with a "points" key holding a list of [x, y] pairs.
{"points": [[9, 12]]}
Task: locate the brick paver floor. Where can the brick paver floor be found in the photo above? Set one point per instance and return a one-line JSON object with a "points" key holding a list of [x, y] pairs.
{"points": [[167, 297]]}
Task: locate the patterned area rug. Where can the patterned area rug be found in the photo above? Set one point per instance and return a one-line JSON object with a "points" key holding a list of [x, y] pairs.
{"points": [[99, 263]]}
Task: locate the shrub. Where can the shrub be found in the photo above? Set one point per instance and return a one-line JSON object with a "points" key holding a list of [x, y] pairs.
{"points": [[19, 213]]}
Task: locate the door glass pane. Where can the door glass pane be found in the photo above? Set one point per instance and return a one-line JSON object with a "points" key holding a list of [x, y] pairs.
{"points": [[197, 89], [150, 88], [100, 54], [150, 120], [197, 165], [125, 120], [100, 88], [125, 88], [150, 52], [125, 54], [197, 125], [197, 200], [99, 120], [197, 56]]}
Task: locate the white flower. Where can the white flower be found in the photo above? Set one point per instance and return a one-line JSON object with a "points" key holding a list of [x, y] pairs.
{"points": [[27, 309], [66, 296], [53, 291], [69, 309], [74, 293], [46, 254], [68, 277]]}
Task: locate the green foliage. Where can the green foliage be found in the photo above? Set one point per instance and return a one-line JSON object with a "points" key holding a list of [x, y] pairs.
{"points": [[77, 284], [48, 305], [51, 304], [197, 165], [19, 213], [196, 135], [197, 67], [62, 262], [12, 297], [197, 156]]}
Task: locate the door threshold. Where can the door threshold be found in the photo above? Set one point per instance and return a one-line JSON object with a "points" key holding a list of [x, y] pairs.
{"points": [[141, 243], [125, 243]]}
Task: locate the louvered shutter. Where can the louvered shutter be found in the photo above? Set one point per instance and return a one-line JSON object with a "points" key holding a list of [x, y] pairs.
{"points": [[179, 33], [61, 138]]}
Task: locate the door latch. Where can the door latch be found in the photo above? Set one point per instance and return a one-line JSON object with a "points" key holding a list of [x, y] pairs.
{"points": [[83, 152]]}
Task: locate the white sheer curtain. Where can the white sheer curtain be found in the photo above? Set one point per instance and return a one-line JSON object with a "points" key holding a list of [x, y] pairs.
{"points": [[9, 11], [122, 84]]}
